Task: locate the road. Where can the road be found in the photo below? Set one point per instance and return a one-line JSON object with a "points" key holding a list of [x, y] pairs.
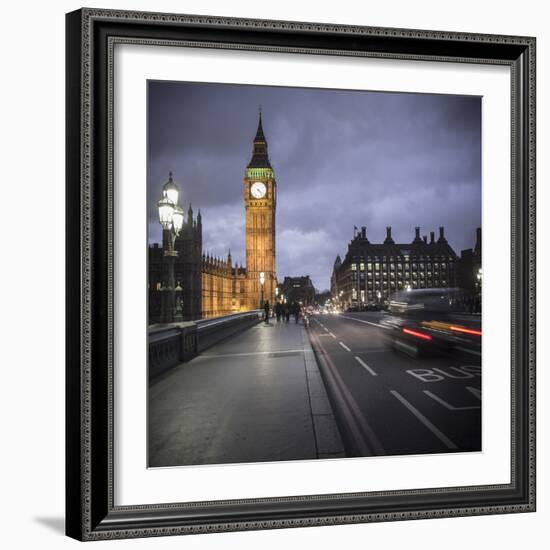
{"points": [[388, 403]]}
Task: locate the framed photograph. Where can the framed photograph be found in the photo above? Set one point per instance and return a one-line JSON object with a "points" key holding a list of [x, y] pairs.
{"points": [[300, 274]]}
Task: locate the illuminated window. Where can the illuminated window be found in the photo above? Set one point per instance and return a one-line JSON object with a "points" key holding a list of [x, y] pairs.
{"points": [[392, 267], [377, 266], [354, 294], [362, 295], [354, 267], [399, 266], [362, 266], [369, 266]]}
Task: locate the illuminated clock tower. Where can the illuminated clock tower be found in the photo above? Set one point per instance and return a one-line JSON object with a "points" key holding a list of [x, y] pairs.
{"points": [[260, 197]]}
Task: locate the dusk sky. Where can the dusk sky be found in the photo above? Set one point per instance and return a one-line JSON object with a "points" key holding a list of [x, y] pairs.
{"points": [[341, 158]]}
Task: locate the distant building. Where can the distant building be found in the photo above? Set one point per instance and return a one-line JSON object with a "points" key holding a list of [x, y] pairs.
{"points": [[370, 273], [298, 289]]}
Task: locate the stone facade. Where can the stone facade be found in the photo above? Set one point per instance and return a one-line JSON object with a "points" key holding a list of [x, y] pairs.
{"points": [[370, 273]]}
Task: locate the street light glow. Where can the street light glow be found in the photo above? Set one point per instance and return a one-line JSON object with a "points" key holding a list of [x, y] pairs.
{"points": [[166, 213], [262, 278], [177, 219]]}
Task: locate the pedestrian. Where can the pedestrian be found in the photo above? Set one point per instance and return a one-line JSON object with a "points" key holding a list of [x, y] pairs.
{"points": [[266, 311], [278, 311], [287, 312], [296, 311]]}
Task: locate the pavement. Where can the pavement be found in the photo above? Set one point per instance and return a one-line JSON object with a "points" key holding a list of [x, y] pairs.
{"points": [[256, 397], [393, 404]]}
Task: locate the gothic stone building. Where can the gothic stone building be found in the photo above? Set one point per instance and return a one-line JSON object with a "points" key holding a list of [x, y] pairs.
{"points": [[208, 286], [370, 273]]}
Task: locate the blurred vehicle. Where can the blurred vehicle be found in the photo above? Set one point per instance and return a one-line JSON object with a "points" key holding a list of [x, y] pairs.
{"points": [[424, 321]]}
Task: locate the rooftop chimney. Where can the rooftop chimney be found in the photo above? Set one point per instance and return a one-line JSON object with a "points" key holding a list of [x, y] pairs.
{"points": [[441, 234], [425, 238], [432, 237]]}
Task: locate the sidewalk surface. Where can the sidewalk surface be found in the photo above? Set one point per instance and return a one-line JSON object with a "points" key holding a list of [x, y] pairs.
{"points": [[257, 397]]}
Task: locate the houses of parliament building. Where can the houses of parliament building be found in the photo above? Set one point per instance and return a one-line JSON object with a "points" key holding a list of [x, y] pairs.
{"points": [[208, 286]]}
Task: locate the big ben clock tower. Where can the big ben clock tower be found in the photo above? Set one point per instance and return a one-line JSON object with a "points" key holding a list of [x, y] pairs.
{"points": [[260, 198]]}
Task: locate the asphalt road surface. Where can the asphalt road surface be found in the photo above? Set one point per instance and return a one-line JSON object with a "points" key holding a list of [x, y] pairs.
{"points": [[388, 403]]}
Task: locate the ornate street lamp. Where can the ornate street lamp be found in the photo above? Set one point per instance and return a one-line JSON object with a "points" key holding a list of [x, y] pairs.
{"points": [[171, 220], [262, 281]]}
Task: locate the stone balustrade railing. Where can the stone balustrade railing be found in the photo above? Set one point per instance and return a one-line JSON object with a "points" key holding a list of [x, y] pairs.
{"points": [[175, 343]]}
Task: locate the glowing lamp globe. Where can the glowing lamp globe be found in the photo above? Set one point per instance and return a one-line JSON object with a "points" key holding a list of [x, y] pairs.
{"points": [[177, 219], [170, 190], [166, 212]]}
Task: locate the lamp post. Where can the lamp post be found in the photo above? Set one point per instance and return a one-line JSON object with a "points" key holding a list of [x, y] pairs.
{"points": [[171, 220], [262, 281]]}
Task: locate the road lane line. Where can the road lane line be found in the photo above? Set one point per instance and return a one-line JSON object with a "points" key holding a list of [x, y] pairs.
{"points": [[438, 433], [326, 328], [365, 322], [365, 366], [448, 405], [332, 334], [344, 346]]}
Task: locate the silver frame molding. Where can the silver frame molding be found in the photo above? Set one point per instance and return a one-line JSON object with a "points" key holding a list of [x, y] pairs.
{"points": [[91, 37]]}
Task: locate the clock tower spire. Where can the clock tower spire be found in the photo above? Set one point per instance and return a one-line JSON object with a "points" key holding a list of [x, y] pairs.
{"points": [[260, 197]]}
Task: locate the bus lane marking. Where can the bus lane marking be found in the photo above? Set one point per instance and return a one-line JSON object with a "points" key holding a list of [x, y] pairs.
{"points": [[431, 427], [448, 405]]}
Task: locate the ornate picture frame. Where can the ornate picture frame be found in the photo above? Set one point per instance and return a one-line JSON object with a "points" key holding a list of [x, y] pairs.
{"points": [[91, 511]]}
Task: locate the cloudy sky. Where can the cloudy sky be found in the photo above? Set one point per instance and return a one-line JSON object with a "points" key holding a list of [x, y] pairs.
{"points": [[341, 158]]}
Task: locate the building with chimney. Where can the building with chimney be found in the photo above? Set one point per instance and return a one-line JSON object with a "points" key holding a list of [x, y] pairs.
{"points": [[371, 272]]}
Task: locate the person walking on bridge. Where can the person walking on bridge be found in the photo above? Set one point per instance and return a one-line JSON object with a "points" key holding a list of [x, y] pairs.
{"points": [[266, 311], [295, 308]]}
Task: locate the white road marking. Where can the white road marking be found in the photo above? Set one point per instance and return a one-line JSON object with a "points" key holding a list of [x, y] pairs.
{"points": [[439, 434], [365, 366], [326, 328], [344, 346], [474, 391], [332, 334], [448, 405], [366, 322]]}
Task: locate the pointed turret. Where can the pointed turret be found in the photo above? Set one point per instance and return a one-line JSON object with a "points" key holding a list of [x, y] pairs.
{"points": [[190, 215], [260, 158]]}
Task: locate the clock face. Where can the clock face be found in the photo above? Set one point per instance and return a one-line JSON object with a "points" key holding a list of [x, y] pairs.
{"points": [[258, 189]]}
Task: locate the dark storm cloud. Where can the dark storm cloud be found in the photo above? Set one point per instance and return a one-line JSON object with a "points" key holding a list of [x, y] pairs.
{"points": [[341, 158]]}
